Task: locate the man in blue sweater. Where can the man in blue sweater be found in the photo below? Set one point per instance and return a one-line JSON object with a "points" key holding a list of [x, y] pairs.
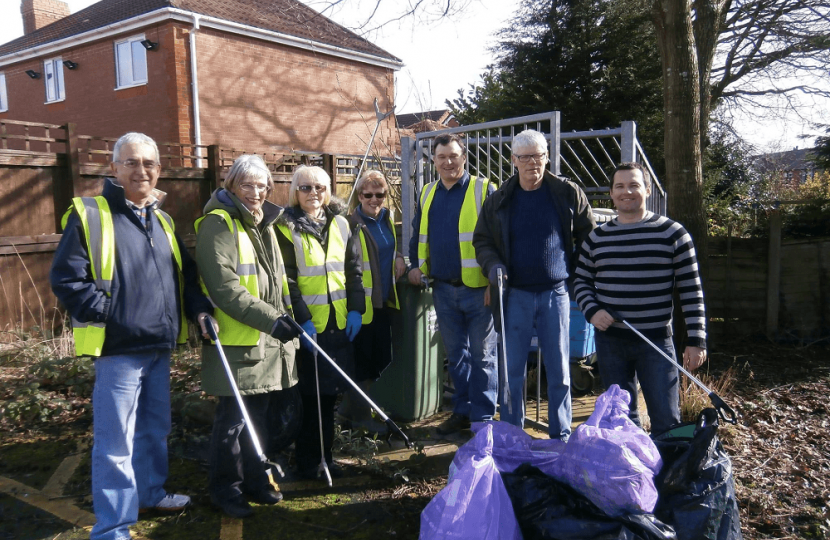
{"points": [[441, 248], [127, 281], [529, 229]]}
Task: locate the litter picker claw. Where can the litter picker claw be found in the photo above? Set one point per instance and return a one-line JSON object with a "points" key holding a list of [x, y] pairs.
{"points": [[724, 411], [248, 424], [393, 428]]}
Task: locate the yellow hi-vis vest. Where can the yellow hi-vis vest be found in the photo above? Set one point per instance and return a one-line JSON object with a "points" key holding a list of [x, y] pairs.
{"points": [[231, 331], [471, 274], [368, 282], [96, 221], [320, 274]]}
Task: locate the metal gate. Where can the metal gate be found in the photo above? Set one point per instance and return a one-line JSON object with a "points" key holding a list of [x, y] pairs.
{"points": [[585, 157]]}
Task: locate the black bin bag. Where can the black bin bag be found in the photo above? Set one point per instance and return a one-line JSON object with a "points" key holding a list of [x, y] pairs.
{"points": [[696, 490], [548, 509]]}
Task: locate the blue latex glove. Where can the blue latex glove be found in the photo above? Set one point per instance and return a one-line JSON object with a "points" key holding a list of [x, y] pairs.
{"points": [[309, 329], [353, 323]]}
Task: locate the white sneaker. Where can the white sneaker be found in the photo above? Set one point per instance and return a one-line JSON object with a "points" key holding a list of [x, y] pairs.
{"points": [[172, 502]]}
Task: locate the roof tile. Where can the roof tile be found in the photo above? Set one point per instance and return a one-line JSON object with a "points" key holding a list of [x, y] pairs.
{"points": [[284, 16]]}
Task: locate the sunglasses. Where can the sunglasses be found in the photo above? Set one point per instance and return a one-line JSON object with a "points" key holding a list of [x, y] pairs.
{"points": [[308, 188], [380, 196]]}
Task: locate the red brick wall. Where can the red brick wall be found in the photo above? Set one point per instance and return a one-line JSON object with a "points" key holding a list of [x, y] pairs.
{"points": [[255, 95], [267, 96], [91, 99]]}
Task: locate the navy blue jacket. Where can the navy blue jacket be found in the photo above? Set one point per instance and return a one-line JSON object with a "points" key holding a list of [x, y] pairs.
{"points": [[144, 310]]}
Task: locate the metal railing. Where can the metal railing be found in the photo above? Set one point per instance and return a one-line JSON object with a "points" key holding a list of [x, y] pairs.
{"points": [[586, 157]]}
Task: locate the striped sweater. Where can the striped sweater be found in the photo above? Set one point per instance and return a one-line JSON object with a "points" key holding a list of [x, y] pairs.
{"points": [[633, 268]]}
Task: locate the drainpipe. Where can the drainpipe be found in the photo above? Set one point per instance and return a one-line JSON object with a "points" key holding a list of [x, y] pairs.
{"points": [[197, 126]]}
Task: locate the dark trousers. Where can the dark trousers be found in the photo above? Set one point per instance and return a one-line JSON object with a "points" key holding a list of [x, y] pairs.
{"points": [[307, 444], [234, 463]]}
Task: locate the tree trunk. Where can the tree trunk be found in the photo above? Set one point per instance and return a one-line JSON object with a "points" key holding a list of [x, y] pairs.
{"points": [[681, 90]]}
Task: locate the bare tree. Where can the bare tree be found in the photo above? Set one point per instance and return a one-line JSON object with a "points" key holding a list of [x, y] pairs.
{"points": [[366, 17], [716, 51]]}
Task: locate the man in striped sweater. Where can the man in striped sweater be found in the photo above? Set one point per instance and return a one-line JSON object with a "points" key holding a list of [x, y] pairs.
{"points": [[631, 265]]}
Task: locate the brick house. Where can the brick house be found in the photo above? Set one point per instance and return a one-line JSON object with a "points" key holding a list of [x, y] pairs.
{"points": [[791, 169], [269, 75]]}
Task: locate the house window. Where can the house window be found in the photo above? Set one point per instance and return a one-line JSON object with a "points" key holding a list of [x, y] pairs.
{"points": [[130, 62], [53, 75], [4, 96]]}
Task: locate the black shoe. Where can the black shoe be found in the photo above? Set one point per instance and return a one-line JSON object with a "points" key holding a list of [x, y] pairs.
{"points": [[453, 424], [237, 507], [266, 496]]}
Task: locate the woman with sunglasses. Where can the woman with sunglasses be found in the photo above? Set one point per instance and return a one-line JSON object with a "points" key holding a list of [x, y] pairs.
{"points": [[325, 278], [383, 264], [242, 271]]}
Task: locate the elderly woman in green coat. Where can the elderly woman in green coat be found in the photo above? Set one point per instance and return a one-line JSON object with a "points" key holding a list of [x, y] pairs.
{"points": [[242, 271]]}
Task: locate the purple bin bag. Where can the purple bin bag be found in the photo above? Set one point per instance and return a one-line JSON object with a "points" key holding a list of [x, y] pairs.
{"points": [[512, 447], [610, 460], [474, 504]]}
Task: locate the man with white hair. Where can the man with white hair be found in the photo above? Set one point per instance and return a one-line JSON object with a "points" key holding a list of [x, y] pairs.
{"points": [[529, 230], [127, 281]]}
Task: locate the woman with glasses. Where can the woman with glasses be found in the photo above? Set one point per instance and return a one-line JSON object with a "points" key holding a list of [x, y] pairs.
{"points": [[242, 271], [324, 268], [383, 264]]}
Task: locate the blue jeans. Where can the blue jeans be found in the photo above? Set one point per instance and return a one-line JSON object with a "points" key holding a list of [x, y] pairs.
{"points": [[131, 421], [466, 327], [549, 312], [624, 360]]}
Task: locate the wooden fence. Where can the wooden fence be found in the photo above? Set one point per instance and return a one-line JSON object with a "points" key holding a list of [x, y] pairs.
{"points": [[42, 166], [769, 286]]}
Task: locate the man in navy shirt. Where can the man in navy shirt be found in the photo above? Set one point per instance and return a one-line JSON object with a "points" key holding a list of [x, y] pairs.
{"points": [[441, 248], [529, 229]]}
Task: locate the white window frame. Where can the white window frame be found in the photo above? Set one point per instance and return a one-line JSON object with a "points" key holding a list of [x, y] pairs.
{"points": [[4, 94], [53, 80], [127, 78]]}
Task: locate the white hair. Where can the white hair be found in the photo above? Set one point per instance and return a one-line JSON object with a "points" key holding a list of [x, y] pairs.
{"points": [[529, 138], [134, 138]]}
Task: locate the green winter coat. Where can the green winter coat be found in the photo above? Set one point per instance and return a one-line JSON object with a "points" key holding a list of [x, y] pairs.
{"points": [[270, 365]]}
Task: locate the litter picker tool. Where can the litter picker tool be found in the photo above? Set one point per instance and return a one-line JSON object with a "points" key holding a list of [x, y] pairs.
{"points": [[505, 391], [393, 428], [724, 410], [323, 468], [380, 118], [248, 424]]}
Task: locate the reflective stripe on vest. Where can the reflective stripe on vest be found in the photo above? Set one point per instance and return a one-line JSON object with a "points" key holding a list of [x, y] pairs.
{"points": [[471, 274], [322, 275], [231, 331], [96, 221], [367, 278]]}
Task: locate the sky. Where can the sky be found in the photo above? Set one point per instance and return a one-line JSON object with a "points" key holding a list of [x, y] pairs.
{"points": [[441, 57]]}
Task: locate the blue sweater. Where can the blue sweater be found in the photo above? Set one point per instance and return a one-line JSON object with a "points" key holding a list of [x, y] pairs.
{"points": [[444, 245], [382, 235], [537, 257], [143, 312]]}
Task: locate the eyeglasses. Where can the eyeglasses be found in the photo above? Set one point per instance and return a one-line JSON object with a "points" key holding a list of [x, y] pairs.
{"points": [[252, 188], [307, 188], [136, 163], [379, 196], [527, 157]]}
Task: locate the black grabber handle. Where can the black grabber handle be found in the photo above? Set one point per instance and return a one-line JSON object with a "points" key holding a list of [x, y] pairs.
{"points": [[724, 411]]}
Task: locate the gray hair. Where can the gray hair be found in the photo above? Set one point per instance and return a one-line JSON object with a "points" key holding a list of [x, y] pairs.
{"points": [[304, 172], [369, 178], [529, 138], [248, 167], [134, 138]]}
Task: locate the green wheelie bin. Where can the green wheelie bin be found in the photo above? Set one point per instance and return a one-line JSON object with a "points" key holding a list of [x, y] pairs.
{"points": [[411, 387]]}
